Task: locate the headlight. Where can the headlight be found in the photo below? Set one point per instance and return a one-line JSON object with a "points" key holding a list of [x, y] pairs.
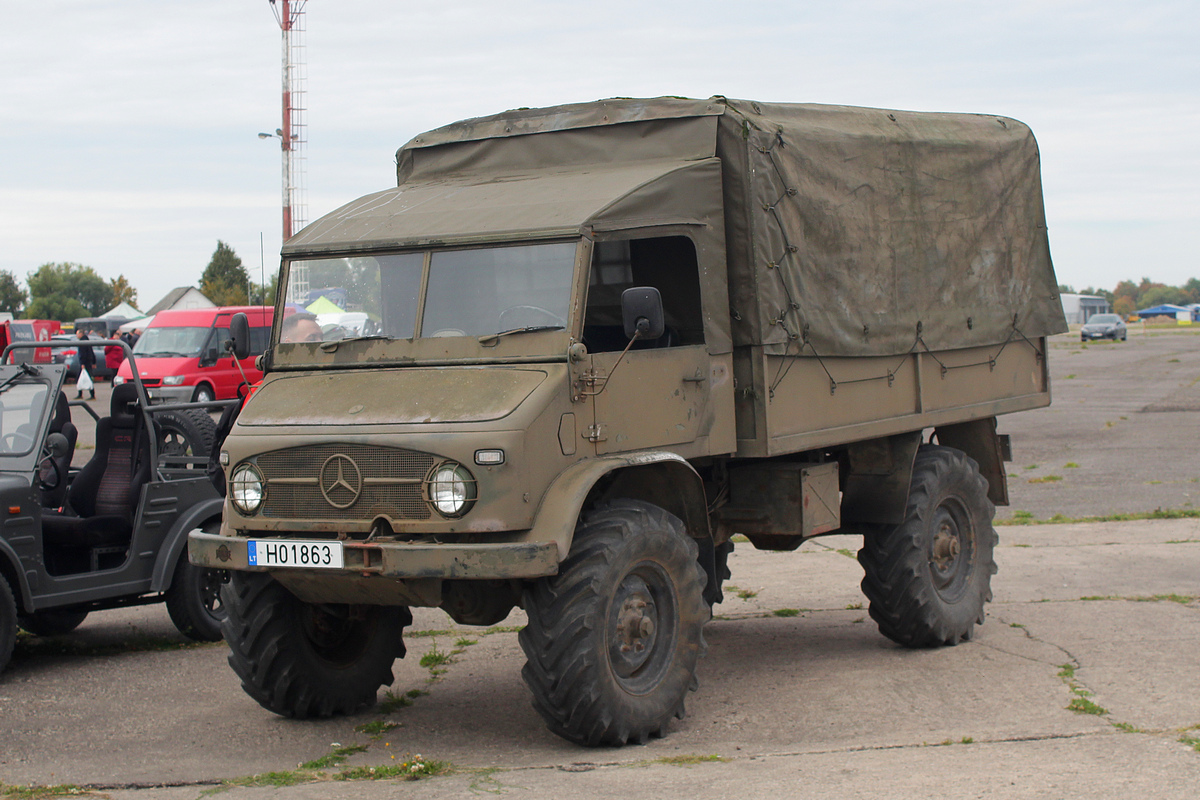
{"points": [[246, 489], [452, 490], [118, 380], [173, 380]]}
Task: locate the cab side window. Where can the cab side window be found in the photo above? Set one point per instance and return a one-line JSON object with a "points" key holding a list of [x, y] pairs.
{"points": [[668, 264], [259, 339]]}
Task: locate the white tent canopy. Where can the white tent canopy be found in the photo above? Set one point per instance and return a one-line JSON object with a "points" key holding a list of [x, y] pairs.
{"points": [[139, 324], [123, 310]]}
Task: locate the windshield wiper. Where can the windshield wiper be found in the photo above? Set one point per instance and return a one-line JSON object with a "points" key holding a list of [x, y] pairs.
{"points": [[26, 370], [332, 345], [494, 337]]}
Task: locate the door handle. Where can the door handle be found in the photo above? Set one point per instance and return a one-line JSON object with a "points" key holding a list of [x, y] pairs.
{"points": [[699, 377]]}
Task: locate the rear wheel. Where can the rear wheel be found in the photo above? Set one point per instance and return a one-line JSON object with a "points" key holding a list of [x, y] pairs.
{"points": [[929, 577], [8, 622], [305, 660], [53, 622], [614, 637]]}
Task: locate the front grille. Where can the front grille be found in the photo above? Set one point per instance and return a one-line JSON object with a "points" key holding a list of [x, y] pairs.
{"points": [[391, 482]]}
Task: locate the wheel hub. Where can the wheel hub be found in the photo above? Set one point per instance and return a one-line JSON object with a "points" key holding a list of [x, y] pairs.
{"points": [[946, 547], [635, 628]]}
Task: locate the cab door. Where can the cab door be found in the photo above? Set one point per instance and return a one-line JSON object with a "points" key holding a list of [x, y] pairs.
{"points": [[654, 398], [655, 393]]}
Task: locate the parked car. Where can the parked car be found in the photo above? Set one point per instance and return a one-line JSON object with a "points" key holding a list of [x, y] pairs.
{"points": [[64, 351], [1104, 326], [113, 532], [180, 355]]}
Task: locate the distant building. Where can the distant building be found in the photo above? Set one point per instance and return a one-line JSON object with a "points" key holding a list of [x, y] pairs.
{"points": [[1079, 308], [182, 298]]}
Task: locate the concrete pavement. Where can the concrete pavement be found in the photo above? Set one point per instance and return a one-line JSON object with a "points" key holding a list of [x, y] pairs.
{"points": [[800, 696]]}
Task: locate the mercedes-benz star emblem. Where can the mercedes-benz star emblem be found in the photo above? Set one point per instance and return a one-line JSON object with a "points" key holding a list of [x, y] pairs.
{"points": [[340, 480]]}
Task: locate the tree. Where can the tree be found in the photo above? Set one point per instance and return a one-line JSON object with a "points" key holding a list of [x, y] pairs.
{"points": [[225, 281], [12, 296], [264, 295], [1158, 295], [1105, 293], [122, 292], [67, 291], [1124, 305], [1191, 291]]}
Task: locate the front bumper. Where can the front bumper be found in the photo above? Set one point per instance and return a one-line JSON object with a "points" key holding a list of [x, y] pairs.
{"points": [[178, 394], [1086, 335], [499, 561]]}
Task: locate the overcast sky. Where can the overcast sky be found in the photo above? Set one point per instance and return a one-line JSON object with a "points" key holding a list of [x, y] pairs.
{"points": [[128, 127]]}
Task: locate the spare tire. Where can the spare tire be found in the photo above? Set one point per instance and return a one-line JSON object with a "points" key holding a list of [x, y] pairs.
{"points": [[188, 432]]}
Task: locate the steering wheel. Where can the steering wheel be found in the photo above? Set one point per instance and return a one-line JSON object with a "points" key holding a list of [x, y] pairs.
{"points": [[519, 310], [16, 441], [43, 480]]}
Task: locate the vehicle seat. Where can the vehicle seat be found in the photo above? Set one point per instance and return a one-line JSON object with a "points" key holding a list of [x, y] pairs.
{"points": [[105, 494], [61, 423]]}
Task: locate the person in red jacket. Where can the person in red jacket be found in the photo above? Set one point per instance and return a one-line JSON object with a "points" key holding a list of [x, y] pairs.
{"points": [[113, 356]]}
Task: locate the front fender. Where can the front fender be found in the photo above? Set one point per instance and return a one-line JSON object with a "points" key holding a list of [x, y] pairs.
{"points": [[176, 540], [564, 500]]}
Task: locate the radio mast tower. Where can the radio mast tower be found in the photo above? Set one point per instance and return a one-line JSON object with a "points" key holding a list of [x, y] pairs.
{"points": [[293, 133]]}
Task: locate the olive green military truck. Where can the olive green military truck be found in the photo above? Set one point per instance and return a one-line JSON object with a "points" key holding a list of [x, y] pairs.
{"points": [[577, 350]]}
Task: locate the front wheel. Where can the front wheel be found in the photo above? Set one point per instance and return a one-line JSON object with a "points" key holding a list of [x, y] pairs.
{"points": [[929, 577], [203, 394], [305, 660], [614, 637], [194, 600]]}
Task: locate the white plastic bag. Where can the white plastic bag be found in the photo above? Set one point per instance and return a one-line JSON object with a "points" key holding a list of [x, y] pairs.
{"points": [[84, 383]]}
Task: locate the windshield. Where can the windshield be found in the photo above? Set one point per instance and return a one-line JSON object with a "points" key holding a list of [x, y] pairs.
{"points": [[21, 409], [473, 292], [171, 341], [1103, 319]]}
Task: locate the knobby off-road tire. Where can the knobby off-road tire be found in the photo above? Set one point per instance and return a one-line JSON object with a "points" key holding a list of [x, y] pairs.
{"points": [[305, 660], [929, 577], [194, 598], [8, 622], [614, 637], [186, 432], [52, 622]]}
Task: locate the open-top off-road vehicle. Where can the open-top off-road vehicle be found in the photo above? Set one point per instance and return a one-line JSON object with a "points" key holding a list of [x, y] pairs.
{"points": [[603, 339], [113, 531]]}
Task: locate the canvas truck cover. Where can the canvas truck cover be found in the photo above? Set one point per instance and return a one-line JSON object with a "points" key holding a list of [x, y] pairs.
{"points": [[846, 231]]}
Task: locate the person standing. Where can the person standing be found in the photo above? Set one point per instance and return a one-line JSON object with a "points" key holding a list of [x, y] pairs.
{"points": [[87, 363]]}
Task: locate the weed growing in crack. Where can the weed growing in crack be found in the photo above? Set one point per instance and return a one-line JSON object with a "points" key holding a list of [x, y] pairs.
{"points": [[1080, 703], [376, 727]]}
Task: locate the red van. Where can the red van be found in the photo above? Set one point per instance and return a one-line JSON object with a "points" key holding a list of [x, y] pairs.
{"points": [[180, 358], [30, 330]]}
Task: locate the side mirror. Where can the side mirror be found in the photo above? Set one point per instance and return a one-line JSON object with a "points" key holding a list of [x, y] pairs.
{"points": [[642, 312], [239, 333], [57, 445]]}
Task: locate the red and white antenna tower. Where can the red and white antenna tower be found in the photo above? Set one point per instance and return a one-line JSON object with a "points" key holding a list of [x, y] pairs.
{"points": [[293, 132]]}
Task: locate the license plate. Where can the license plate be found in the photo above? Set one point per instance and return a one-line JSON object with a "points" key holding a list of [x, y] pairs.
{"points": [[293, 553]]}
